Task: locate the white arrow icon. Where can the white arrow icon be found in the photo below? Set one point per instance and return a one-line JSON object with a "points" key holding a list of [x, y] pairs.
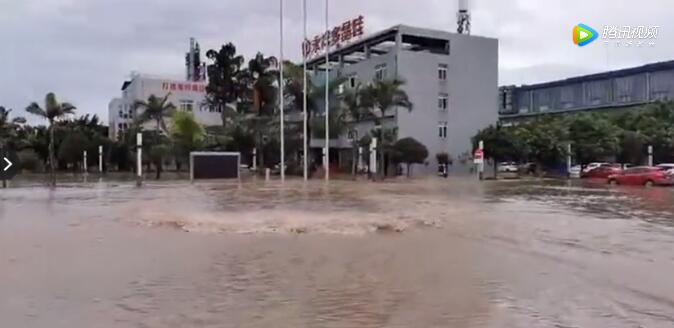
{"points": [[9, 164]]}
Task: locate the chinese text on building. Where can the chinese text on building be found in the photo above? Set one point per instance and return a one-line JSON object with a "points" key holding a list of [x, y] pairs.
{"points": [[338, 36]]}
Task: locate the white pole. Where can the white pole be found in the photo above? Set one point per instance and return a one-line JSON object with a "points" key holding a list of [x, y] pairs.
{"points": [[650, 155], [254, 159], [100, 159], [281, 95], [327, 100], [139, 158], [84, 165], [304, 103], [568, 160], [480, 171]]}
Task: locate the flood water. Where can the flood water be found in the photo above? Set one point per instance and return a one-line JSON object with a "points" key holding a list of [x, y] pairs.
{"points": [[421, 253]]}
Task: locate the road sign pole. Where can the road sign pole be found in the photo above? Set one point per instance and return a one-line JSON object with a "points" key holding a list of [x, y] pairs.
{"points": [[84, 165]]}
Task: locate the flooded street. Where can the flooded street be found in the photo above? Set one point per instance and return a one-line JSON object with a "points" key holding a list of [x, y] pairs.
{"points": [[420, 253]]}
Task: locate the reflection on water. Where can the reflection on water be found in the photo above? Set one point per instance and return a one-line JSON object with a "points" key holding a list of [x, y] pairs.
{"points": [[422, 253]]}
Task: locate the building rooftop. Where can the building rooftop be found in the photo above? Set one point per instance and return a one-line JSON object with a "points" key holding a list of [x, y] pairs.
{"points": [[653, 67], [381, 42]]}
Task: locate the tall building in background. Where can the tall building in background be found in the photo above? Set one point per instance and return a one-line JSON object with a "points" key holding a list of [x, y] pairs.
{"points": [[187, 95], [452, 80]]}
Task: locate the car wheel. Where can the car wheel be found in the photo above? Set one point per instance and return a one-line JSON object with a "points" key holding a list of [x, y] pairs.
{"points": [[648, 183], [613, 182]]}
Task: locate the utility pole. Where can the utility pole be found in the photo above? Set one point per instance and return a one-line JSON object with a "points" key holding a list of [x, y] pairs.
{"points": [[327, 97], [304, 94], [100, 159]]}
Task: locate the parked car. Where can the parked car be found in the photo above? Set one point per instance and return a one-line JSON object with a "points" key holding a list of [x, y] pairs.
{"points": [[507, 167], [602, 172], [591, 166], [642, 175], [528, 168], [667, 167], [574, 172]]}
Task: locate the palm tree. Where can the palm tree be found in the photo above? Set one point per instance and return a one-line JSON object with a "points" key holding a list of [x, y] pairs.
{"points": [[294, 87], [224, 79], [382, 97], [353, 110], [155, 109], [52, 112]]}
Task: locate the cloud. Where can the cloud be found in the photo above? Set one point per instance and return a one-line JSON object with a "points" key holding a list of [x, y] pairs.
{"points": [[84, 49]]}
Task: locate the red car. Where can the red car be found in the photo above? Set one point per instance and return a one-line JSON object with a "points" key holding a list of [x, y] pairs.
{"points": [[643, 175], [603, 172]]}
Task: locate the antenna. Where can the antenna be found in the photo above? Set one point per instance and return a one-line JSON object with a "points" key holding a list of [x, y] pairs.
{"points": [[463, 18]]}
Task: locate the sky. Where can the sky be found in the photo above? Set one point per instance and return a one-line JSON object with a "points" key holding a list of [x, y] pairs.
{"points": [[84, 49]]}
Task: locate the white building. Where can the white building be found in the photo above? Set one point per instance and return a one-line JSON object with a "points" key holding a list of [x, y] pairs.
{"points": [[185, 95]]}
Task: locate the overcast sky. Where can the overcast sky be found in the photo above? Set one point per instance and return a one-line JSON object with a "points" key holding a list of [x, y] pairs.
{"points": [[84, 49]]}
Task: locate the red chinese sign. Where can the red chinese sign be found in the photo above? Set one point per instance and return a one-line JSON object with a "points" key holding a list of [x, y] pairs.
{"points": [[338, 36], [183, 86]]}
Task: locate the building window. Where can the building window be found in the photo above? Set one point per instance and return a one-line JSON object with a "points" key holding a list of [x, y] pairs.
{"points": [[121, 114], [442, 101], [442, 72], [119, 126], [380, 72], [352, 135], [352, 81], [186, 105], [442, 130]]}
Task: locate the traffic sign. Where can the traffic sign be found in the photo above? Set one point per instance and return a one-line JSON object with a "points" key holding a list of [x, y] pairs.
{"points": [[478, 156]]}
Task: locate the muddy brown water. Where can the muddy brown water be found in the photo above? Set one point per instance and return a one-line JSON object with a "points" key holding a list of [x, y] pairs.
{"points": [[421, 253]]}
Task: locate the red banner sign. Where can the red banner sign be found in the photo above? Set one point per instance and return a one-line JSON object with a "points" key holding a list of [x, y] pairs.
{"points": [[337, 37], [183, 86]]}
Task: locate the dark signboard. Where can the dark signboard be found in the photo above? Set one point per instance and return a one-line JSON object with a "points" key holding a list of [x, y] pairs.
{"points": [[215, 165]]}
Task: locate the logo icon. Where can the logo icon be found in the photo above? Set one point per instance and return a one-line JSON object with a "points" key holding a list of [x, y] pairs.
{"points": [[583, 34]]}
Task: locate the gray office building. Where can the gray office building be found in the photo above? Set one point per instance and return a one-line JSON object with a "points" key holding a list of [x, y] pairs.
{"points": [[452, 80], [614, 90]]}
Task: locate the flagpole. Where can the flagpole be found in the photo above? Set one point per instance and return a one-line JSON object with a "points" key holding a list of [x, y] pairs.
{"points": [[327, 97], [304, 102], [281, 95]]}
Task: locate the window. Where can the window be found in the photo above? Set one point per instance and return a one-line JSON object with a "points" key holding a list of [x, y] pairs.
{"points": [[186, 105], [352, 81], [119, 126], [442, 101], [380, 72], [121, 114], [442, 72], [442, 130], [352, 135]]}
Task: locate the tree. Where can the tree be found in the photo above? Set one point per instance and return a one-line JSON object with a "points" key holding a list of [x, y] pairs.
{"points": [[155, 109], [52, 112], [71, 149], [543, 141], [294, 91], [225, 86], [9, 128], [593, 137], [187, 134], [499, 144], [409, 151], [380, 98]]}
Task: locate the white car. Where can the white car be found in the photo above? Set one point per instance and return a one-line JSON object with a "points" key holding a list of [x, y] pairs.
{"points": [[508, 167], [574, 172], [593, 166], [667, 167]]}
